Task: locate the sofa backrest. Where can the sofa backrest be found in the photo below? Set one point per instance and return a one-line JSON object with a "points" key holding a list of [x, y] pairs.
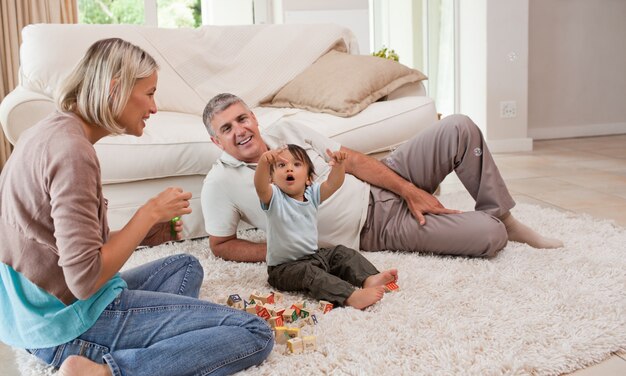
{"points": [[252, 61]]}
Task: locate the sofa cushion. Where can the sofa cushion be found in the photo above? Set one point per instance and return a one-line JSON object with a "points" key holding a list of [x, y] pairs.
{"points": [[173, 144], [343, 85], [176, 144]]}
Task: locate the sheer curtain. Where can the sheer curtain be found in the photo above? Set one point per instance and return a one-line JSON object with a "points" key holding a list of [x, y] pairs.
{"points": [[14, 15]]}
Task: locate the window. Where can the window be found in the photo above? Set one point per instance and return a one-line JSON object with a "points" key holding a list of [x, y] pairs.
{"points": [[163, 13]]}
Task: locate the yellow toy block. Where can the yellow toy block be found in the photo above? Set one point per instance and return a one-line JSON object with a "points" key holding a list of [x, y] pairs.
{"points": [[309, 343], [293, 332], [280, 334], [295, 345]]}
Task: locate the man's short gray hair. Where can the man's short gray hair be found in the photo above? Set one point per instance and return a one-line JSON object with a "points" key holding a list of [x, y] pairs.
{"points": [[216, 105]]}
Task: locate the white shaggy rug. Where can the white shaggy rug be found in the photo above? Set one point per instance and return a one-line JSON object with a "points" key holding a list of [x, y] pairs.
{"points": [[525, 312]]}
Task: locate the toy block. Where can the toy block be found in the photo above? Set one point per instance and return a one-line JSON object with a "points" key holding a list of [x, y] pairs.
{"points": [[263, 313], [296, 308], [276, 321], [304, 313], [270, 308], [290, 315], [280, 335], [268, 298], [391, 286], [251, 308], [295, 345], [325, 306], [309, 343], [279, 312], [306, 321], [278, 297], [235, 301], [293, 332], [300, 304]]}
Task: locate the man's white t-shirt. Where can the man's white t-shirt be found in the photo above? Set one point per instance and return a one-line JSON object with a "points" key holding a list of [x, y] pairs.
{"points": [[228, 194]]}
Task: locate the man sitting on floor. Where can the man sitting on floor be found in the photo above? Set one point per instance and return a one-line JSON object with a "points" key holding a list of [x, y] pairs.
{"points": [[382, 205]]}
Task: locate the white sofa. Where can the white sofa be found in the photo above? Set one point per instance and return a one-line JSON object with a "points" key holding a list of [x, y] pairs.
{"points": [[194, 65]]}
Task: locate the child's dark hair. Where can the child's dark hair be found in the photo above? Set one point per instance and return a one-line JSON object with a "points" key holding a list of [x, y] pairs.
{"points": [[301, 155]]}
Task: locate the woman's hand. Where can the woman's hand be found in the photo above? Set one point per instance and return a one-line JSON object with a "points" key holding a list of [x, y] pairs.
{"points": [[162, 232], [170, 203]]}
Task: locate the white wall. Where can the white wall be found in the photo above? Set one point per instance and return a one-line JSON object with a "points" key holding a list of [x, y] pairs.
{"points": [[353, 14], [577, 69], [493, 48]]}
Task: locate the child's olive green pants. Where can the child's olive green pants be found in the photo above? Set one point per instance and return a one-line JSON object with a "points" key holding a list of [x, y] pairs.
{"points": [[330, 274]]}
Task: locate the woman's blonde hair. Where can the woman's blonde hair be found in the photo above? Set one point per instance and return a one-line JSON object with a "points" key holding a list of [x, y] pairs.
{"points": [[98, 87]]}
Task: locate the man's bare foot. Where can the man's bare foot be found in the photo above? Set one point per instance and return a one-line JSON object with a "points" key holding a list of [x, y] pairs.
{"points": [[519, 232], [381, 278], [365, 297], [79, 365]]}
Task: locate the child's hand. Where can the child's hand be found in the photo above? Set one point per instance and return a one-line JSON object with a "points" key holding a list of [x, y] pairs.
{"points": [[271, 157], [336, 157]]}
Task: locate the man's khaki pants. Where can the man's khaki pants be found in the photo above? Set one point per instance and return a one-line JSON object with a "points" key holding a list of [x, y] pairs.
{"points": [[452, 144]]}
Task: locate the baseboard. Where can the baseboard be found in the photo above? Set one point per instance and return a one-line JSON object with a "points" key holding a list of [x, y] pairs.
{"points": [[588, 130], [510, 145]]}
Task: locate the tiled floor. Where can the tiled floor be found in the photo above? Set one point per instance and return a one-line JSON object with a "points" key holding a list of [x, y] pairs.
{"points": [[586, 175]]}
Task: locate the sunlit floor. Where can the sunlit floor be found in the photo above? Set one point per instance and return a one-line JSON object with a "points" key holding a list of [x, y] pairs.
{"points": [[584, 175]]}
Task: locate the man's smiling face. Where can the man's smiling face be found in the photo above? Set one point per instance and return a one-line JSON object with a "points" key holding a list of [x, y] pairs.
{"points": [[237, 133]]}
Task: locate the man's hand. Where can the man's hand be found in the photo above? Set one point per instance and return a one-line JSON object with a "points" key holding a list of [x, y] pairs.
{"points": [[421, 202]]}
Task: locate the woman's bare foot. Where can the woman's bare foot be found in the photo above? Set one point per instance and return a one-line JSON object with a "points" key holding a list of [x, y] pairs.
{"points": [[79, 365], [365, 297], [381, 278]]}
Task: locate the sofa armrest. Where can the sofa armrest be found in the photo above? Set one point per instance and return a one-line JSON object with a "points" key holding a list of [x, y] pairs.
{"points": [[22, 109]]}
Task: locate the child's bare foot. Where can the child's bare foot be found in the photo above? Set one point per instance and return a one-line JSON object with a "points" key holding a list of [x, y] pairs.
{"points": [[79, 365], [365, 297], [381, 278]]}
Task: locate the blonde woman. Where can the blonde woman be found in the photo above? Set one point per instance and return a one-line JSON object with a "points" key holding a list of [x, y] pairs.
{"points": [[61, 292]]}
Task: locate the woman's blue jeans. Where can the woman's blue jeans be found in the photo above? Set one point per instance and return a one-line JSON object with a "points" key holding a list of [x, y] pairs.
{"points": [[158, 327]]}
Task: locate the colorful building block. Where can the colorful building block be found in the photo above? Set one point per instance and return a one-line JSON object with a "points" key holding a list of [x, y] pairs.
{"points": [[325, 306], [251, 308], [275, 321], [280, 334], [290, 315], [293, 332], [295, 345], [235, 301], [278, 297], [391, 286], [263, 313], [309, 343]]}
